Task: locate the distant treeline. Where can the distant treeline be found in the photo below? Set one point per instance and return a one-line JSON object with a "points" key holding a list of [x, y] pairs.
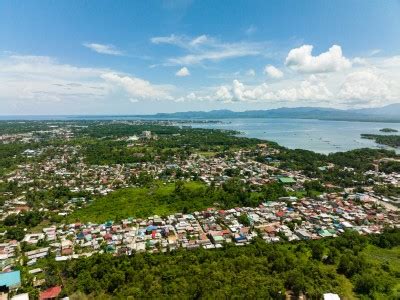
{"points": [[389, 140]]}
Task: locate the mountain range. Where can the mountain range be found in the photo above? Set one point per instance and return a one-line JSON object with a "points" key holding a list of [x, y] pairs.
{"points": [[389, 113]]}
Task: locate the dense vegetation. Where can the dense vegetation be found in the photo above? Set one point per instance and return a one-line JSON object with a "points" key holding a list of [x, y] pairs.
{"points": [[353, 266], [170, 141], [10, 155], [389, 140], [390, 166]]}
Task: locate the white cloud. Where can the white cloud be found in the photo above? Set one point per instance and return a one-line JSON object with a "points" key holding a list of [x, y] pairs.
{"points": [[103, 49], [375, 52], [366, 87], [214, 55], [183, 72], [223, 94], [359, 61], [372, 81], [391, 62], [251, 73], [202, 39], [205, 48], [309, 90], [41, 78], [182, 41], [171, 39], [137, 87], [301, 60], [273, 72]]}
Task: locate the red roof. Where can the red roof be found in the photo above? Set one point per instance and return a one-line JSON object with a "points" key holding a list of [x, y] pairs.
{"points": [[280, 213], [50, 293]]}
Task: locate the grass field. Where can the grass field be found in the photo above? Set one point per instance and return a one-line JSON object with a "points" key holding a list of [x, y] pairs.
{"points": [[143, 202], [379, 256]]}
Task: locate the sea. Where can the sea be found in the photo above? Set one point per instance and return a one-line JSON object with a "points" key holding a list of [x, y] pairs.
{"points": [[320, 136]]}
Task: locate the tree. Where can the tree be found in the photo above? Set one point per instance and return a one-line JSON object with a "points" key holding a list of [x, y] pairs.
{"points": [[317, 250], [15, 233], [244, 219], [11, 220]]}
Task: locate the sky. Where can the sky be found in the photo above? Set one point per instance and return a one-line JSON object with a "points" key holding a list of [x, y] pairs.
{"points": [[142, 57]]}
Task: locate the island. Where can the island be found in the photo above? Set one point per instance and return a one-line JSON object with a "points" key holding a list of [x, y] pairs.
{"points": [[388, 130]]}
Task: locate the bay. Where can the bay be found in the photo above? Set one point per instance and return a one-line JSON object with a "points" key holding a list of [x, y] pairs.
{"points": [[316, 135]]}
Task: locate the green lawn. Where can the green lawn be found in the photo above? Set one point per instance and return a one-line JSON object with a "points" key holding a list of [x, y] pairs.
{"points": [[143, 202]]}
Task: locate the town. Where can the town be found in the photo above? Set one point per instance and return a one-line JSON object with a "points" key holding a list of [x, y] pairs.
{"points": [[51, 182]]}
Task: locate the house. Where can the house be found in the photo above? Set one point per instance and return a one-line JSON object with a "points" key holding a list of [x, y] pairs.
{"points": [[38, 253], [286, 180], [330, 296], [24, 296], [51, 293]]}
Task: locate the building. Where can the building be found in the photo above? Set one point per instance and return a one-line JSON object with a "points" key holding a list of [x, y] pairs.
{"points": [[330, 296], [11, 280], [50, 293], [286, 180]]}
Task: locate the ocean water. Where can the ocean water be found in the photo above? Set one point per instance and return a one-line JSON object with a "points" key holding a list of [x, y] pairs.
{"points": [[316, 135]]}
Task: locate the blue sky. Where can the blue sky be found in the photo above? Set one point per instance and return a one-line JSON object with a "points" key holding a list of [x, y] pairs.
{"points": [[128, 57]]}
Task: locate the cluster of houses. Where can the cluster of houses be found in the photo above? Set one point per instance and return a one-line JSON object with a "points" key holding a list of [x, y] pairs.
{"points": [[287, 219], [65, 166], [53, 131]]}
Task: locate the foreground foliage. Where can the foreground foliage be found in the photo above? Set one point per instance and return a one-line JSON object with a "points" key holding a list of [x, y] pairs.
{"points": [[350, 265]]}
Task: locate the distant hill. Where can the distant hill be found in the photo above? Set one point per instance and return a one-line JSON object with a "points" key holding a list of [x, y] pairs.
{"points": [[390, 113], [388, 110]]}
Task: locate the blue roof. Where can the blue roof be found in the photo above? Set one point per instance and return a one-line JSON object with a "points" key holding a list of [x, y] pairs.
{"points": [[151, 228], [10, 279]]}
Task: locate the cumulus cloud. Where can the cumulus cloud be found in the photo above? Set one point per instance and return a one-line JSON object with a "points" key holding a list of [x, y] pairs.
{"points": [[223, 94], [309, 90], [273, 72], [137, 87], [365, 87], [103, 49], [301, 60], [183, 72]]}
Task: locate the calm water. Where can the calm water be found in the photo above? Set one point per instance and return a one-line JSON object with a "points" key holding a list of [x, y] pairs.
{"points": [[316, 135]]}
